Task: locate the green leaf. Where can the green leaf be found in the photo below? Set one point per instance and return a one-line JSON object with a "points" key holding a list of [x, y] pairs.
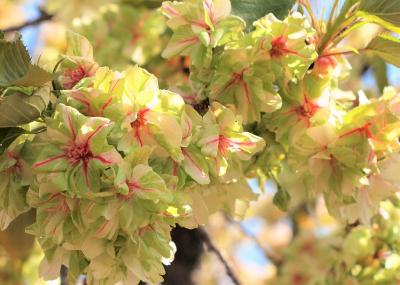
{"points": [[78, 45], [19, 109], [379, 68], [282, 199], [386, 47], [252, 10], [384, 12], [16, 68], [8, 135], [35, 76], [14, 61]]}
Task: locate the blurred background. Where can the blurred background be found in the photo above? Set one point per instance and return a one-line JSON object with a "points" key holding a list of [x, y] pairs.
{"points": [[255, 247]]}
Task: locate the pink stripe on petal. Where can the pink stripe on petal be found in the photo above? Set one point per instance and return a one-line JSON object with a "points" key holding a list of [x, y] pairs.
{"points": [[102, 228], [96, 131], [70, 125], [193, 162], [189, 41], [86, 173], [106, 104], [171, 10], [241, 143], [188, 129], [51, 159], [102, 159], [246, 91]]}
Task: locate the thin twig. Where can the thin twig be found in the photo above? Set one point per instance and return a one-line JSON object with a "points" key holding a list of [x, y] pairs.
{"points": [[268, 252], [211, 247], [44, 16]]}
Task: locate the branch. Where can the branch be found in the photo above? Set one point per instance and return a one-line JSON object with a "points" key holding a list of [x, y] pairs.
{"points": [[64, 275], [211, 247], [269, 252], [44, 16]]}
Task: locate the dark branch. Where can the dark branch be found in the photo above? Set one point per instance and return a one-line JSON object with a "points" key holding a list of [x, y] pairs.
{"points": [[269, 253], [64, 275], [211, 247], [44, 16], [190, 248]]}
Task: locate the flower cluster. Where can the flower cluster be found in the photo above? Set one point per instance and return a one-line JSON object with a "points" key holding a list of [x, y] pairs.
{"points": [[327, 141], [119, 165], [121, 161]]}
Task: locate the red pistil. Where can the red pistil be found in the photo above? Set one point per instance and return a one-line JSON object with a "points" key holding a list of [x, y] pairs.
{"points": [[139, 124], [77, 74], [77, 153], [307, 110], [280, 48]]}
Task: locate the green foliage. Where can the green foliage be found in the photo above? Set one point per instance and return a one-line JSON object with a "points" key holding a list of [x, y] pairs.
{"points": [[15, 61], [252, 10], [19, 106], [386, 47], [385, 13]]}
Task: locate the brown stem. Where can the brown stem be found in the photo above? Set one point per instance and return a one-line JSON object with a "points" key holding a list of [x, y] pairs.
{"points": [[44, 16], [211, 247]]}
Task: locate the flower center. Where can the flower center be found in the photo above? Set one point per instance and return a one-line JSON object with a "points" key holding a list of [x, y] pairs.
{"points": [[138, 124], [75, 75], [78, 153], [307, 110], [140, 119], [279, 47]]}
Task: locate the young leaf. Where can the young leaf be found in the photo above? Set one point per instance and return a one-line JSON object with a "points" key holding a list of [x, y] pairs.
{"points": [[14, 61], [386, 47], [35, 76], [78, 45], [252, 10], [385, 13], [18, 109], [16, 68]]}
